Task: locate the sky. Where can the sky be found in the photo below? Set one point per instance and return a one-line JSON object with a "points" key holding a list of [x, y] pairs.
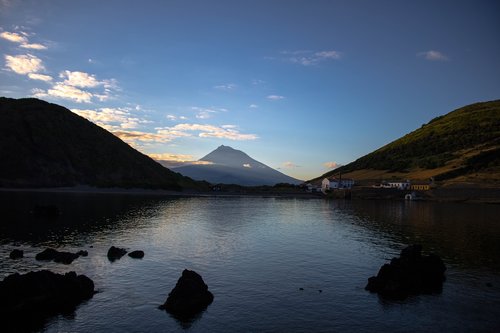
{"points": [[301, 86]]}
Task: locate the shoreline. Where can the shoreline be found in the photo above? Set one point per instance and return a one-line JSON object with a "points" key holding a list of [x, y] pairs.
{"points": [[455, 194]]}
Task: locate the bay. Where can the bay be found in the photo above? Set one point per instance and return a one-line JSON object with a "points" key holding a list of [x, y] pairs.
{"points": [[273, 264]]}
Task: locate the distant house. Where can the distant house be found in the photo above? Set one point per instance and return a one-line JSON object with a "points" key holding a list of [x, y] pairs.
{"points": [[420, 187], [400, 185], [334, 183]]}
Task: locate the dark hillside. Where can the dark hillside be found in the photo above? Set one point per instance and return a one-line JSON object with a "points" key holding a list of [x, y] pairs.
{"points": [[47, 145]]}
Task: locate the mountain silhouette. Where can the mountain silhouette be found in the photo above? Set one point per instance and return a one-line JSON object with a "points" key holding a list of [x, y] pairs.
{"points": [[226, 165]]}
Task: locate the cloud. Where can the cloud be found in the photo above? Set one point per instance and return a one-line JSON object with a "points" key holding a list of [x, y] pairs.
{"points": [[80, 79], [309, 58], [253, 106], [21, 38], [41, 77], [290, 165], [331, 165], [24, 64], [34, 46], [113, 119], [432, 55], [14, 37], [226, 87], [177, 160], [206, 113], [210, 131], [64, 91], [247, 165], [275, 97]]}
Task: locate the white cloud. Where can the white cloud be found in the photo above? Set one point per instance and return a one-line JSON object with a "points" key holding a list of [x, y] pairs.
{"points": [[275, 97], [113, 119], [14, 37], [171, 117], [290, 165], [309, 58], [80, 79], [253, 106], [432, 55], [24, 64], [226, 87], [34, 46], [331, 165], [41, 77], [210, 131], [64, 91], [247, 165], [22, 39], [206, 113]]}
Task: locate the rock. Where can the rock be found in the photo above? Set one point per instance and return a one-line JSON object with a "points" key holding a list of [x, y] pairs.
{"points": [[115, 253], [60, 257], [410, 274], [136, 254], [30, 298], [82, 253], [16, 254], [189, 296]]}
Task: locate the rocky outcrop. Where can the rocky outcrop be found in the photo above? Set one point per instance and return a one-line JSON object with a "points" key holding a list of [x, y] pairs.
{"points": [[138, 254], [30, 298], [62, 257], [16, 254], [189, 296], [410, 274], [115, 253]]}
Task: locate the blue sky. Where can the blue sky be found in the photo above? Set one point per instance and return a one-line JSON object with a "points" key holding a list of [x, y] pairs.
{"points": [[301, 86]]}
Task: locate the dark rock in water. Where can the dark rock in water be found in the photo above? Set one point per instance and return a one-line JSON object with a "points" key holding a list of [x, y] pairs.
{"points": [[60, 257], [49, 211], [82, 253], [115, 253], [410, 274], [136, 254], [16, 254], [28, 299], [47, 254], [189, 296]]}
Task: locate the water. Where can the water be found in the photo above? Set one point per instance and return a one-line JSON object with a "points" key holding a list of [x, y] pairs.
{"points": [[255, 254]]}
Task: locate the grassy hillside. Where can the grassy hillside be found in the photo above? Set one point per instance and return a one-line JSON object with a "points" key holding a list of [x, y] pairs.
{"points": [[463, 145], [47, 145]]}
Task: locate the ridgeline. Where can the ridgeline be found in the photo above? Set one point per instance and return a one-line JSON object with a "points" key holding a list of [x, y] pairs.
{"points": [[462, 146], [47, 145]]}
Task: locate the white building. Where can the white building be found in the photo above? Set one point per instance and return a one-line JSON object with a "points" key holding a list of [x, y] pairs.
{"points": [[400, 185], [334, 183]]}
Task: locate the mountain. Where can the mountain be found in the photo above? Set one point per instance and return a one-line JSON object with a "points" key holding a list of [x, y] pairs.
{"points": [[226, 165], [47, 145], [461, 146]]}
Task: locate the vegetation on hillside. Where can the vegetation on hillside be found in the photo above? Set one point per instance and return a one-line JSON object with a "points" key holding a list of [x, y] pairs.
{"points": [[47, 145], [470, 134]]}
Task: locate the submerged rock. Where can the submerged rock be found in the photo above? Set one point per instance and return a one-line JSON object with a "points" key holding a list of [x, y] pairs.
{"points": [[136, 254], [34, 296], [189, 296], [410, 274], [115, 253], [16, 254], [62, 257]]}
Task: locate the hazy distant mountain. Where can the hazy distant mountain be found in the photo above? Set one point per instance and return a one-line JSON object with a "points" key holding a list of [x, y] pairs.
{"points": [[226, 165], [461, 146], [44, 144]]}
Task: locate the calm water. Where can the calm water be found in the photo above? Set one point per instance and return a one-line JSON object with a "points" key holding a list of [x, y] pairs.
{"points": [[255, 254]]}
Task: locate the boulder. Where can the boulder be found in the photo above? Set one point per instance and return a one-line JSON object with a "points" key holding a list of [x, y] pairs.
{"points": [[61, 257], [32, 297], [138, 254], [410, 274], [189, 296], [16, 254], [115, 253]]}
